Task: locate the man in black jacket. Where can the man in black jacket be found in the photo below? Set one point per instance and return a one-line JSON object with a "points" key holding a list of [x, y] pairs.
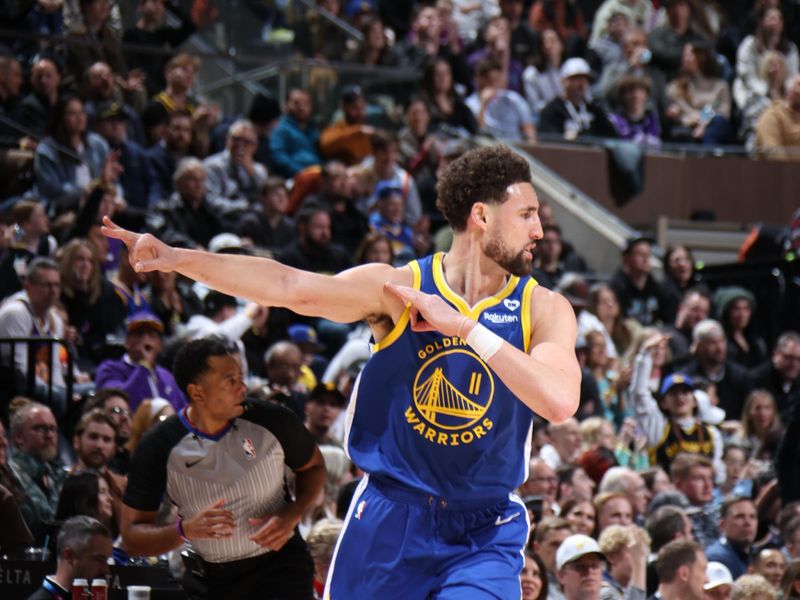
{"points": [[574, 115]]}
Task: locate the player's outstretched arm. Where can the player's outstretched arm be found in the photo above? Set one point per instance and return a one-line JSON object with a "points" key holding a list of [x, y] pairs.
{"points": [[347, 297], [547, 379]]}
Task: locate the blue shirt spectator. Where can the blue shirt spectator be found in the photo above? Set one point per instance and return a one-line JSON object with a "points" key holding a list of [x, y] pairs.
{"points": [[293, 144]]}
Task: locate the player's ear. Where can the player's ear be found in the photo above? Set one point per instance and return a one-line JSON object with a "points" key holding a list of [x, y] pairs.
{"points": [[195, 392], [478, 213]]}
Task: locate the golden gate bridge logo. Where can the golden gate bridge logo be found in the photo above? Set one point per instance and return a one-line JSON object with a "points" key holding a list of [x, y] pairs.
{"points": [[453, 393]]}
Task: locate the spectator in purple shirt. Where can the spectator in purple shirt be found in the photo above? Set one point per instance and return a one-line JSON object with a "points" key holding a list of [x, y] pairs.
{"points": [[137, 372], [635, 120]]}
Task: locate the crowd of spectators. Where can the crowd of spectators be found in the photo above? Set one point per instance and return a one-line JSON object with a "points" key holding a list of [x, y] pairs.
{"points": [[685, 404]]}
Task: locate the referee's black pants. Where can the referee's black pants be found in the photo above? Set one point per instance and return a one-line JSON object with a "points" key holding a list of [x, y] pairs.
{"points": [[284, 575]]}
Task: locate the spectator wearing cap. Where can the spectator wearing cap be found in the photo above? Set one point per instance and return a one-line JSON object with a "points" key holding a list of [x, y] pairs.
{"points": [[499, 111], [693, 476], [137, 372], [720, 583], [668, 40], [165, 155], [778, 127], [267, 225], [314, 250], [710, 361], [635, 120], [350, 138], [579, 566], [349, 225], [111, 123], [573, 114], [640, 296], [671, 424], [188, 216], [293, 143], [738, 525], [389, 220], [233, 177], [383, 168], [681, 567], [322, 408], [781, 374], [314, 363], [626, 550]]}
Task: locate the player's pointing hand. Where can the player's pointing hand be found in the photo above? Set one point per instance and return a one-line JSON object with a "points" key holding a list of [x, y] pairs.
{"points": [[146, 252]]}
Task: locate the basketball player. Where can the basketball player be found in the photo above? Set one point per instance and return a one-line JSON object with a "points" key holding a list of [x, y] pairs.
{"points": [[466, 346]]}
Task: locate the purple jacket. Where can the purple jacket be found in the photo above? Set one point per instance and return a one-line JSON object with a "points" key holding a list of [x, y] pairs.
{"points": [[136, 381]]}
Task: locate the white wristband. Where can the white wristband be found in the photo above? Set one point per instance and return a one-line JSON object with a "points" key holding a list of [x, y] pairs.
{"points": [[484, 342]]}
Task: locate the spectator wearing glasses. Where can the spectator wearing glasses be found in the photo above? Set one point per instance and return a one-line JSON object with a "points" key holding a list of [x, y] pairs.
{"points": [[542, 481], [579, 564], [781, 375], [34, 461], [116, 403], [232, 176]]}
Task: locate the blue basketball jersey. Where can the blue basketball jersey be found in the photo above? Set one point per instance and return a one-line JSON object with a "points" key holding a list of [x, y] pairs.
{"points": [[429, 413]]}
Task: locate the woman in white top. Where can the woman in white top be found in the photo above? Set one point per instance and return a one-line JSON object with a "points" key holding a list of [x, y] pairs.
{"points": [[542, 82]]}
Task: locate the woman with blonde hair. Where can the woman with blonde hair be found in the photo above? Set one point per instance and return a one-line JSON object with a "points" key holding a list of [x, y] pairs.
{"points": [[149, 413], [762, 427], [93, 309]]}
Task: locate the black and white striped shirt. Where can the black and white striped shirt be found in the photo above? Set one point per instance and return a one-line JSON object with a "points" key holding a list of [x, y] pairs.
{"points": [[244, 464]]}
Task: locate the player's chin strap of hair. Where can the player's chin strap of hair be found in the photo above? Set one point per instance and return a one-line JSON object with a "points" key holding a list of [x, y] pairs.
{"points": [[484, 342]]}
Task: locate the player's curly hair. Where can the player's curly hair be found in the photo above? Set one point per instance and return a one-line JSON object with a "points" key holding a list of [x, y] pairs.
{"points": [[480, 175]]}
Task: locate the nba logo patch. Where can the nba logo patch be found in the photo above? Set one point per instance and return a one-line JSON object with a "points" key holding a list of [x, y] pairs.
{"points": [[360, 509], [249, 449]]}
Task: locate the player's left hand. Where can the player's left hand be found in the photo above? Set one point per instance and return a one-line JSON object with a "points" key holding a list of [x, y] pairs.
{"points": [[277, 529], [428, 312]]}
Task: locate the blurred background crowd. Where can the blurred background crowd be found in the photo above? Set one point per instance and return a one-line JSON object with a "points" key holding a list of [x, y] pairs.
{"points": [[690, 402]]}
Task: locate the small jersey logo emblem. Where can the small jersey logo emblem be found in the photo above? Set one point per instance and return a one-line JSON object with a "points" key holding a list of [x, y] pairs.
{"points": [[249, 449], [511, 304], [360, 509]]}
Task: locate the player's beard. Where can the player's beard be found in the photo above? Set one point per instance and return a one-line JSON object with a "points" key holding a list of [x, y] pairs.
{"points": [[516, 264]]}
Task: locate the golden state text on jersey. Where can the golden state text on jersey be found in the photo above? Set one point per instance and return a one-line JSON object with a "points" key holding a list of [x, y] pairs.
{"points": [[429, 413]]}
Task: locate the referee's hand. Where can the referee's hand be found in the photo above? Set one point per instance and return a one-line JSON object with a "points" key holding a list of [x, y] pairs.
{"points": [[275, 530], [213, 522]]}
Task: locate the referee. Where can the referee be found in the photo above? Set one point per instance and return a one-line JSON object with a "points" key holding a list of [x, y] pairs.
{"points": [[222, 462]]}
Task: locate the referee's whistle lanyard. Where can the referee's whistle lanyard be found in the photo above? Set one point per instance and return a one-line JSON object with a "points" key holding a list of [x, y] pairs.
{"points": [[54, 591]]}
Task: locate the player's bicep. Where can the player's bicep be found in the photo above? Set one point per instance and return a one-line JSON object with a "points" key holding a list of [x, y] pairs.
{"points": [[349, 296], [553, 330]]}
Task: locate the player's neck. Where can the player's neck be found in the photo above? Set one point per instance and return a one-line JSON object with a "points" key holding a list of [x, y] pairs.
{"points": [[469, 273]]}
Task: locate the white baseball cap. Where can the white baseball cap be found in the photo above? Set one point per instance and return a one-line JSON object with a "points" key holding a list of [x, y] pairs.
{"points": [[574, 547], [575, 66], [718, 574]]}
